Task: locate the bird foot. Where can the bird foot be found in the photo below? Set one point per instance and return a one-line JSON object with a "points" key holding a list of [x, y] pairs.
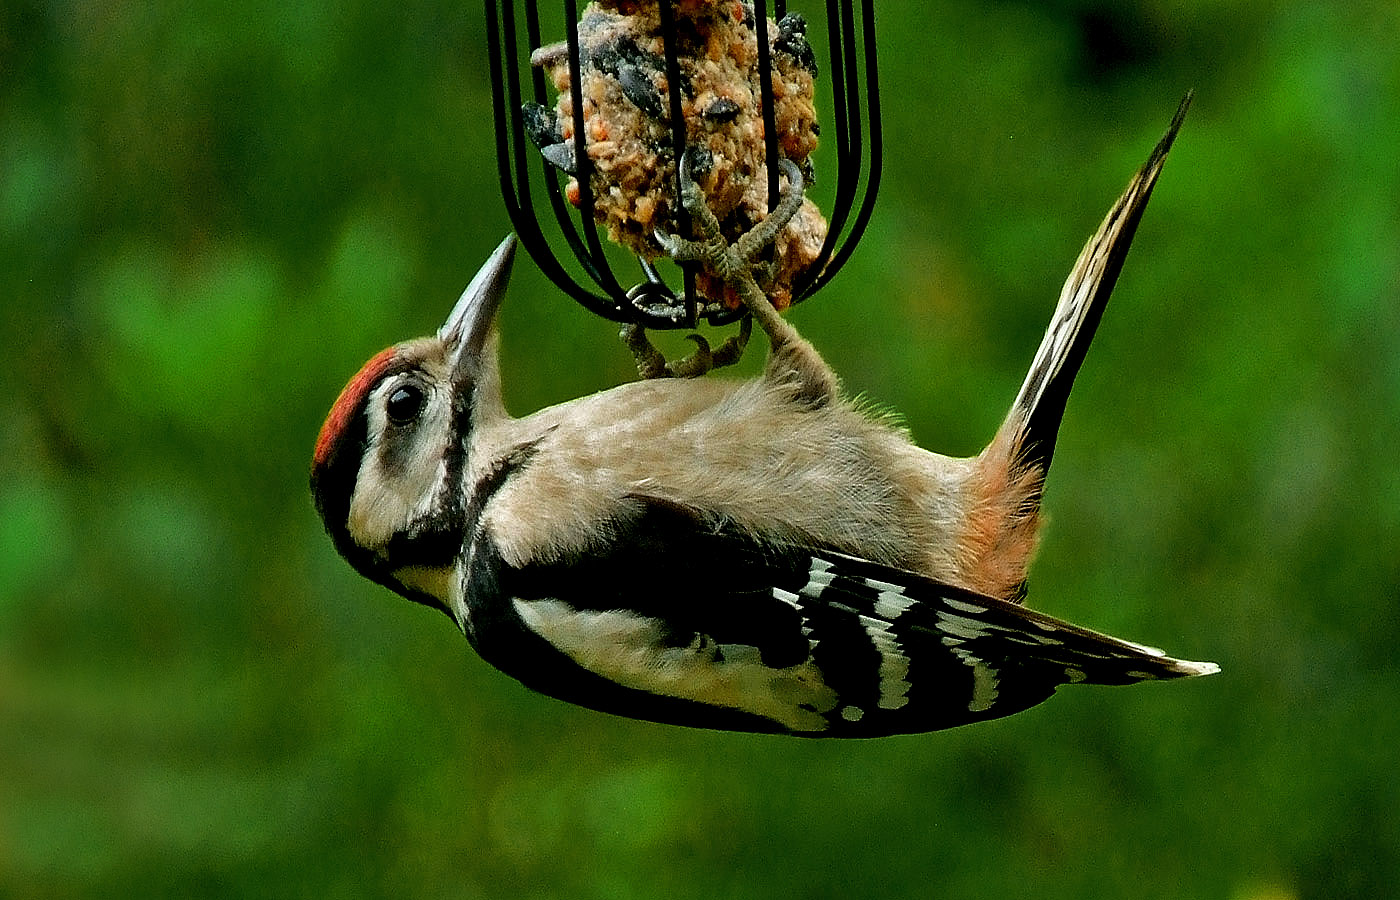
{"points": [[736, 262], [652, 364], [792, 362]]}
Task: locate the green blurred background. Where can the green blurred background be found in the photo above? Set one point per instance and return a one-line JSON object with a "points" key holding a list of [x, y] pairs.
{"points": [[212, 213]]}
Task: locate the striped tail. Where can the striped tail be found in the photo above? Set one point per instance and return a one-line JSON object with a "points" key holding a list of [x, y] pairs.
{"points": [[1031, 427]]}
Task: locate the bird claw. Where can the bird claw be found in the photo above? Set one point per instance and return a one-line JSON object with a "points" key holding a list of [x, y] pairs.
{"points": [[680, 249], [733, 263], [652, 364], [697, 363], [732, 350]]}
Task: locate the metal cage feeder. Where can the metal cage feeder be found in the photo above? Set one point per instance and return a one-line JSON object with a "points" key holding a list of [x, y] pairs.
{"points": [[851, 73]]}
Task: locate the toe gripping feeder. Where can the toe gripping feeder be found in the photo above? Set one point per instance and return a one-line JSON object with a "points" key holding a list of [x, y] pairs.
{"points": [[530, 181]]}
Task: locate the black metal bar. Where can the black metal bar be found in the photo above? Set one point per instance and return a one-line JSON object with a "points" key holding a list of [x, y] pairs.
{"points": [[522, 217], [517, 128], [563, 214], [877, 153], [850, 211], [846, 168], [493, 55], [765, 94], [583, 166], [679, 138]]}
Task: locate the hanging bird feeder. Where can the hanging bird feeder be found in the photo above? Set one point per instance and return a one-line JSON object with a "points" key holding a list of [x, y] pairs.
{"points": [[634, 87]]}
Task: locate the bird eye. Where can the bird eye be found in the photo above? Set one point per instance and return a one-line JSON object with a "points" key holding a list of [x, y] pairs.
{"points": [[405, 404]]}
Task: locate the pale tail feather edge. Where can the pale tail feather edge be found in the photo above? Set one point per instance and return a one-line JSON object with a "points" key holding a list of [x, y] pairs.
{"points": [[1032, 425]]}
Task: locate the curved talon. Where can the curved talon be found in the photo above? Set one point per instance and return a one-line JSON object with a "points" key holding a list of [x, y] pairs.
{"points": [[697, 363], [678, 248], [732, 350], [693, 200], [650, 362], [691, 194]]}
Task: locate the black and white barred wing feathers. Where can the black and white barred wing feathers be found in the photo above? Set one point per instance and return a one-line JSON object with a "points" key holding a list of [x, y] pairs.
{"points": [[948, 657], [718, 631]]}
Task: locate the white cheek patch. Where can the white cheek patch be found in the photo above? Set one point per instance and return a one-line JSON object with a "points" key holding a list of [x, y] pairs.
{"points": [[631, 650], [388, 501], [384, 506]]}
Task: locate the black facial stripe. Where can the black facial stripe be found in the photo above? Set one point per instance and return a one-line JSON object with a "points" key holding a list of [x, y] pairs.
{"points": [[488, 484], [436, 540], [333, 480], [432, 547], [439, 538]]}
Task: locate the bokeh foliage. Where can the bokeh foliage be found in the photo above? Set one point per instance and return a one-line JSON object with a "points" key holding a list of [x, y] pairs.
{"points": [[211, 213]]}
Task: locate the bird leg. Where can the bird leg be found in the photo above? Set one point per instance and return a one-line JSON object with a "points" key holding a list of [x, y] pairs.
{"points": [[792, 357]]}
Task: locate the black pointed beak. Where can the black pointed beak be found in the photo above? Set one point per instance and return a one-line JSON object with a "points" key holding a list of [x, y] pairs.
{"points": [[470, 321]]}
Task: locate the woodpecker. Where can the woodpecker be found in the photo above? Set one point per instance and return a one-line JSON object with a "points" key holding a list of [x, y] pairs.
{"points": [[760, 555]]}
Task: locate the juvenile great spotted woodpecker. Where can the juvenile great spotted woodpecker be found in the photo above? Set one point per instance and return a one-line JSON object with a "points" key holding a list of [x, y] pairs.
{"points": [[756, 555]]}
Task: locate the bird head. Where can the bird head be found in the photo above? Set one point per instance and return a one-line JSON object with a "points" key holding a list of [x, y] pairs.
{"points": [[387, 472]]}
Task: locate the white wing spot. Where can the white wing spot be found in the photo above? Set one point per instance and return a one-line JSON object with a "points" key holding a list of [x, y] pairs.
{"points": [[818, 577], [984, 677], [962, 606], [984, 687], [852, 713], [878, 585], [958, 626], [1074, 675], [892, 605], [894, 665], [792, 600]]}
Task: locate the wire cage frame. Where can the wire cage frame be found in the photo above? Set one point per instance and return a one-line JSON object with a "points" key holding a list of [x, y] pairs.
{"points": [[526, 176]]}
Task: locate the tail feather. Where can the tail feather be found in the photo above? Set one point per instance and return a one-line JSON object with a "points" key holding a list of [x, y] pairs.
{"points": [[1004, 523], [1034, 421]]}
